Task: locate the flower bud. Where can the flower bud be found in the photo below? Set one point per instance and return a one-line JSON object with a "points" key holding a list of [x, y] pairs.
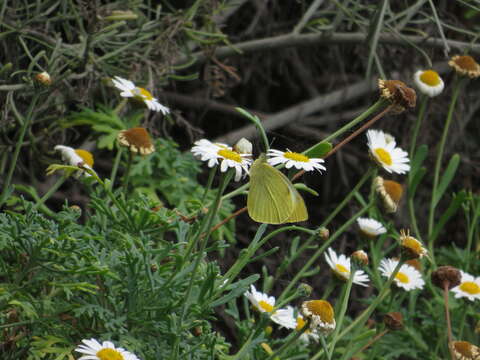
{"points": [[243, 146], [324, 233], [43, 78], [360, 257], [393, 320]]}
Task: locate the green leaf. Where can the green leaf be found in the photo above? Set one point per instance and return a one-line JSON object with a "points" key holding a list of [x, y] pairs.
{"points": [[319, 150], [455, 204], [418, 159], [301, 186], [446, 178], [415, 181]]}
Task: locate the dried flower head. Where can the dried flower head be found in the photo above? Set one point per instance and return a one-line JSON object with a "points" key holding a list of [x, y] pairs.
{"points": [[390, 193], [465, 65], [137, 140], [44, 78], [411, 247], [321, 314], [464, 350], [446, 276], [415, 264], [429, 82], [399, 94], [393, 320]]}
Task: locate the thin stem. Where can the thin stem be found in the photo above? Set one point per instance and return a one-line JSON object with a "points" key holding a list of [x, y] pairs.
{"points": [[371, 342], [418, 123], [447, 319], [291, 341], [116, 163], [438, 164], [126, 177], [50, 192], [306, 17], [18, 146]]}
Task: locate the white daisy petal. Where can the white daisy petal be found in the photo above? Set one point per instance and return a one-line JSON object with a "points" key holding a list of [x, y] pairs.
{"points": [[285, 317], [407, 277], [371, 227], [260, 301], [293, 159], [383, 151], [469, 287], [340, 265], [94, 350]]}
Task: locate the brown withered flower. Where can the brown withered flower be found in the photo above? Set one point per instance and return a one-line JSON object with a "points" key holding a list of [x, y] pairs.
{"points": [[137, 140], [465, 65], [321, 314], [393, 320], [446, 275], [411, 247], [464, 350], [390, 192], [398, 93]]}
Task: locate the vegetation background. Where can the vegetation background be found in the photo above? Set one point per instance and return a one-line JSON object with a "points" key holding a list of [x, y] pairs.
{"points": [[304, 67]]}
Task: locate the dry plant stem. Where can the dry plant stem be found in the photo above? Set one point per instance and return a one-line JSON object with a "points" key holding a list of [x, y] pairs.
{"points": [[371, 342], [447, 319]]}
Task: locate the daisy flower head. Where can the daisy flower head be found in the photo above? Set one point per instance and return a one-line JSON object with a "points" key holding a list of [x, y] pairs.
{"points": [[296, 160], [340, 266], [411, 247], [137, 140], [94, 350], [398, 94], [285, 317], [371, 228], [407, 277], [464, 350], [465, 65], [469, 287], [386, 154], [321, 314], [390, 192], [76, 157], [217, 153], [311, 334], [129, 90], [428, 82], [260, 301]]}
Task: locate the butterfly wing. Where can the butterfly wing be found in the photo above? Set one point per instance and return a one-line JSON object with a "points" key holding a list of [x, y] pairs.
{"points": [[300, 212], [272, 199]]}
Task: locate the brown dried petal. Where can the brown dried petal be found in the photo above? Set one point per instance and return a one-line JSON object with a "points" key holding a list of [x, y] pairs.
{"points": [[393, 320], [446, 275]]}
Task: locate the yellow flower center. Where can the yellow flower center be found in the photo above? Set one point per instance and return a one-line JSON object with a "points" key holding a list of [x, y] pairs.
{"points": [[430, 77], [342, 268], [296, 156], [413, 244], [300, 323], [470, 287], [402, 278], [265, 306], [384, 156], [394, 189], [142, 93], [109, 354], [322, 309], [229, 154], [86, 156]]}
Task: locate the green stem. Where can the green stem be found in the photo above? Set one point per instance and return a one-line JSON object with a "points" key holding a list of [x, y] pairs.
{"points": [[126, 177], [438, 165], [18, 146], [291, 341], [116, 163], [418, 123], [51, 191]]}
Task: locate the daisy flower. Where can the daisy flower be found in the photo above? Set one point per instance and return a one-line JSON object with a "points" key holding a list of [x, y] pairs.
{"points": [[129, 90], [223, 154], [407, 277], [465, 65], [76, 157], [428, 82], [93, 350], [412, 248], [390, 193], [464, 350], [340, 265], [260, 301], [386, 154], [469, 287], [370, 227], [137, 140], [321, 314], [285, 317], [296, 160]]}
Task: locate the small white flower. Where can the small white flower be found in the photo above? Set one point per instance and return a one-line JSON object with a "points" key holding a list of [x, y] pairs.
{"points": [[93, 350], [407, 277], [371, 227], [129, 89], [260, 301], [385, 153], [469, 287], [285, 317], [223, 154], [293, 159], [340, 265], [76, 157], [428, 82]]}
